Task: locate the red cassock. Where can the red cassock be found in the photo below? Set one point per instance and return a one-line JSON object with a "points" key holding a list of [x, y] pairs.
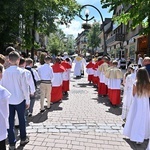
{"points": [[90, 71], [95, 77], [66, 76], [115, 96], [102, 87], [56, 93], [115, 76]]}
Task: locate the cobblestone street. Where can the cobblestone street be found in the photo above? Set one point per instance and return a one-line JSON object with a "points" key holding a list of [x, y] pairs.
{"points": [[82, 121]]}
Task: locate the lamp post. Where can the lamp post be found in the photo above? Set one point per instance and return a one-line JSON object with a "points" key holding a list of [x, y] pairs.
{"points": [[88, 19]]}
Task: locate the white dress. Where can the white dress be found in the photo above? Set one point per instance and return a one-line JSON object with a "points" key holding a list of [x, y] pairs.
{"points": [[4, 112], [78, 66], [137, 126], [127, 95]]}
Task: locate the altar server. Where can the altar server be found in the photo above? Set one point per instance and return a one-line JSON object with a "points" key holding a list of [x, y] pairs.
{"points": [[58, 69]]}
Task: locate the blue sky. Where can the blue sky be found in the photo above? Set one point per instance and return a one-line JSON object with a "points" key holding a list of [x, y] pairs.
{"points": [[75, 26]]}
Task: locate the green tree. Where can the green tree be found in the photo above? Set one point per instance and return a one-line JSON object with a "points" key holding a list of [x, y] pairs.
{"points": [[53, 44], [56, 42], [136, 11], [93, 39], [37, 15], [69, 44]]}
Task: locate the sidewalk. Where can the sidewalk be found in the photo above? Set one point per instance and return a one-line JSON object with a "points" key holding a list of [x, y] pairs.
{"points": [[83, 121]]}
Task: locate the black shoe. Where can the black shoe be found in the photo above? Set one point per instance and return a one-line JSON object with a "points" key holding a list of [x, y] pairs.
{"points": [[41, 111], [17, 126], [65, 93], [29, 114], [24, 142], [114, 106]]}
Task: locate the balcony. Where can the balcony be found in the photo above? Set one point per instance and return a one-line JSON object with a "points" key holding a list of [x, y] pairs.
{"points": [[114, 39]]}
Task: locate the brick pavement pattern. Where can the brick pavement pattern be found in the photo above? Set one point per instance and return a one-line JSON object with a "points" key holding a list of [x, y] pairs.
{"points": [[83, 121]]}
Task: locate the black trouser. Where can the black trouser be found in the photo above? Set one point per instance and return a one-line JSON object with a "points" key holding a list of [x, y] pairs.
{"points": [[2, 145], [139, 66]]}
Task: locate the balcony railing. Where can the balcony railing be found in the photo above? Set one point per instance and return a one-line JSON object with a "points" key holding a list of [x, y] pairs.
{"points": [[114, 38]]}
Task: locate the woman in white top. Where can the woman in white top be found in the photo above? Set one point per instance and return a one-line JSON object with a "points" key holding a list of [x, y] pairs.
{"points": [[137, 126]]}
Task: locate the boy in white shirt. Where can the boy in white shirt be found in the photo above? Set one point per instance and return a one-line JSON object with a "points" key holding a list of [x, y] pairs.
{"points": [[14, 81], [36, 78], [46, 74]]}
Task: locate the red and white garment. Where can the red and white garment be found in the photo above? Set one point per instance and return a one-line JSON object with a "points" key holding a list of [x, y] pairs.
{"points": [[90, 71], [114, 84], [57, 80], [102, 88], [66, 76]]}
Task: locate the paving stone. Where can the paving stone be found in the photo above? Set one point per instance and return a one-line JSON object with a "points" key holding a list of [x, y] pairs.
{"points": [[53, 130], [116, 127], [32, 130], [105, 127], [100, 130], [70, 127], [60, 127], [82, 127], [43, 130], [64, 130]]}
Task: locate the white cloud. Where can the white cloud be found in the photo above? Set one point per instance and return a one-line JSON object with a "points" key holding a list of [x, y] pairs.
{"points": [[74, 28]]}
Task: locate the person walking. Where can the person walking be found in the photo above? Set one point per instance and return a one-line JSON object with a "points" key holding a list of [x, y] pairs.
{"points": [[30, 82], [114, 84], [146, 63], [14, 80], [4, 114], [140, 61], [102, 87], [8, 50], [46, 74], [90, 71], [36, 78], [127, 95], [58, 69], [66, 76], [78, 66], [137, 126]]}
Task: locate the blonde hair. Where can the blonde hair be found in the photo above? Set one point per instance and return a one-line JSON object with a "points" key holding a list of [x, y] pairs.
{"points": [[1, 68], [28, 61], [2, 59], [143, 82]]}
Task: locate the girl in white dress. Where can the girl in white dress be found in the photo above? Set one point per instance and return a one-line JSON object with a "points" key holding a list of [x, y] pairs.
{"points": [[128, 96], [137, 126]]}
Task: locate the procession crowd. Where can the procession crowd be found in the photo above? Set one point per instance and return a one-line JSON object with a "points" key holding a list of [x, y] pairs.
{"points": [[19, 81], [136, 94]]}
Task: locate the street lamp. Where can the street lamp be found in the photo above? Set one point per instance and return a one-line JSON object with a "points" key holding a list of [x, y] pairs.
{"points": [[88, 19], [87, 12]]}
